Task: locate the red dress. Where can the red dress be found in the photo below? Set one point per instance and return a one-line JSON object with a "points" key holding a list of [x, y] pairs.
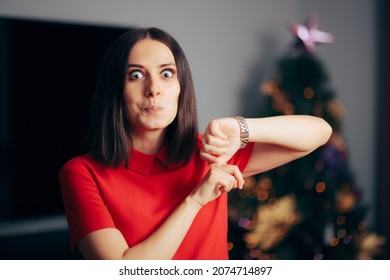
{"points": [[137, 199]]}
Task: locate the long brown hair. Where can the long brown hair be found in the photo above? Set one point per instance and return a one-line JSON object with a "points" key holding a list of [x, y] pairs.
{"points": [[108, 137]]}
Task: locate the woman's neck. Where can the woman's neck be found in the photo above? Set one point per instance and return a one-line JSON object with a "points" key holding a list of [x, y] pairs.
{"points": [[149, 142]]}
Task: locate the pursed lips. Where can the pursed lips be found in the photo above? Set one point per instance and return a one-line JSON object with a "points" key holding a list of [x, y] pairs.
{"points": [[152, 109]]}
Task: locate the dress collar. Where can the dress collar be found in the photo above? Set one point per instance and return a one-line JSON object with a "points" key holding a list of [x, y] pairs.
{"points": [[143, 163]]}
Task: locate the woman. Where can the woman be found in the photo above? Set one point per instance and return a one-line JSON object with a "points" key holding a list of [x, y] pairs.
{"points": [[150, 186]]}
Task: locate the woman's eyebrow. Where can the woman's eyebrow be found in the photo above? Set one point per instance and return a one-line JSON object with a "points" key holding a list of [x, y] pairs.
{"points": [[135, 66], [167, 64], [141, 66]]}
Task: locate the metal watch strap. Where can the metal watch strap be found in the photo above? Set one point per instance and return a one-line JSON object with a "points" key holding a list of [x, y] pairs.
{"points": [[244, 130]]}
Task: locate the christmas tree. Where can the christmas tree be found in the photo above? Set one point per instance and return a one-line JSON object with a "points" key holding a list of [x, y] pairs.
{"points": [[310, 208]]}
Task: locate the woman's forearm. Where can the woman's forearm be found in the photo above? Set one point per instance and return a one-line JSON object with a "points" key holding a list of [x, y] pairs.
{"points": [[163, 243], [296, 132]]}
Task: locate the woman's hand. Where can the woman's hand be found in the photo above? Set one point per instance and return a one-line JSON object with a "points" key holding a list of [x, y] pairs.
{"points": [[221, 140], [219, 179]]}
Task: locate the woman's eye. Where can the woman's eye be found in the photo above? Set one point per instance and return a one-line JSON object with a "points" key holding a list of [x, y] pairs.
{"points": [[167, 73], [136, 75]]}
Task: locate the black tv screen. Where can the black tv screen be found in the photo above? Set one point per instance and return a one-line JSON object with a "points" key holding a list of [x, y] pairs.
{"points": [[47, 78]]}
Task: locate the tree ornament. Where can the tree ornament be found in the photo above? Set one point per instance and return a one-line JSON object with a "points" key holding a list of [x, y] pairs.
{"points": [[308, 35], [273, 222]]}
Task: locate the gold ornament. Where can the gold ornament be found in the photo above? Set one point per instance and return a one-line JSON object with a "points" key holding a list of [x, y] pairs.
{"points": [[369, 245], [273, 222]]}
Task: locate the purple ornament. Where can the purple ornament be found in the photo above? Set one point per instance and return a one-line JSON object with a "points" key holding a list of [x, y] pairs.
{"points": [[309, 35]]}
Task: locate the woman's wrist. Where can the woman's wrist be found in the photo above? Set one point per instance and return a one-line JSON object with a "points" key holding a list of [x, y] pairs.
{"points": [[244, 131], [193, 202]]}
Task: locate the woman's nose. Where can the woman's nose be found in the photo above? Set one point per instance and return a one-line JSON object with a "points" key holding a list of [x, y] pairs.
{"points": [[152, 88]]}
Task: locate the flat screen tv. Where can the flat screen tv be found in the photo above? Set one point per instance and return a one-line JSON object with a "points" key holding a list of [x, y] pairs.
{"points": [[48, 72]]}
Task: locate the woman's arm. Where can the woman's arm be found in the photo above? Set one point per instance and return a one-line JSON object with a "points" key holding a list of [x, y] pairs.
{"points": [[109, 243], [278, 140]]}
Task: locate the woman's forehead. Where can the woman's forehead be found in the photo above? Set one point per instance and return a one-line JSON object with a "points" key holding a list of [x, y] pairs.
{"points": [[150, 51]]}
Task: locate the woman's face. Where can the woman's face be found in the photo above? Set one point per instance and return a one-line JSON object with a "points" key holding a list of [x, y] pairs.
{"points": [[152, 87]]}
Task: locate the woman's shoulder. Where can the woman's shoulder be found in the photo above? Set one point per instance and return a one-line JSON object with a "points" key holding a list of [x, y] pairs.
{"points": [[80, 163]]}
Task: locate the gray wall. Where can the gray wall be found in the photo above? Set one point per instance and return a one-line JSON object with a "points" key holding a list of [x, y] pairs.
{"points": [[231, 46]]}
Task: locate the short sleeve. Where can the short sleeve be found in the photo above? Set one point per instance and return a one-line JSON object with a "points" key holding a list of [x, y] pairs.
{"points": [[241, 157], [84, 206]]}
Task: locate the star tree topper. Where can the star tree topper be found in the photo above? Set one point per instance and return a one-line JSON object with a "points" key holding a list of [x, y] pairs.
{"points": [[309, 35]]}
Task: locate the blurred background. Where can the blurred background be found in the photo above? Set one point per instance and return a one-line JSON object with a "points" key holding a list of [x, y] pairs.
{"points": [[245, 57]]}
